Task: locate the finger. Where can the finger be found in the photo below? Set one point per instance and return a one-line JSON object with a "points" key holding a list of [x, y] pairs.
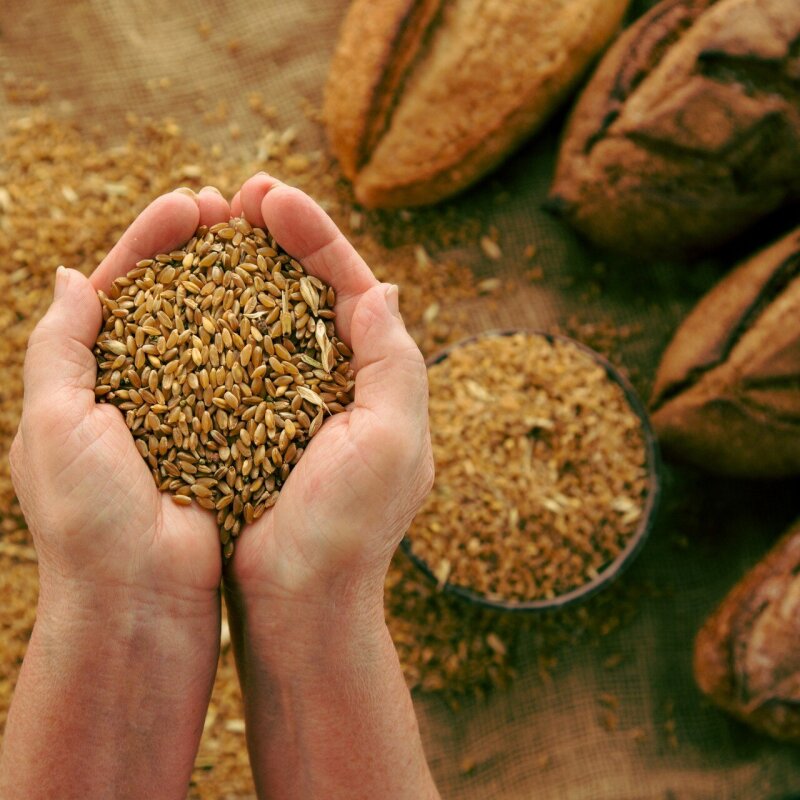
{"points": [[60, 369], [236, 205], [213, 206], [168, 222], [308, 234], [391, 379], [252, 193]]}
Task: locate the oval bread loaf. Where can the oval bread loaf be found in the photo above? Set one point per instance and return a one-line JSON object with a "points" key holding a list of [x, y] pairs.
{"points": [[426, 96], [689, 130], [746, 656], [727, 392]]}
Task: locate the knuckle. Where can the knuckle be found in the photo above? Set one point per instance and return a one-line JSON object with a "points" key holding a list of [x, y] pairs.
{"points": [[16, 460], [404, 458], [393, 441], [41, 414], [38, 334], [424, 478], [365, 317], [409, 373], [15, 453], [413, 360], [429, 474]]}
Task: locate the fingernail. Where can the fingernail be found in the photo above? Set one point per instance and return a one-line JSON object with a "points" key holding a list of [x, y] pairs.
{"points": [[393, 301], [187, 191], [275, 181], [212, 189], [62, 279]]}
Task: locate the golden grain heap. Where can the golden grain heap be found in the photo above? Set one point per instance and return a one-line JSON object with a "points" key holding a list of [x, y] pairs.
{"points": [[541, 472], [223, 358]]}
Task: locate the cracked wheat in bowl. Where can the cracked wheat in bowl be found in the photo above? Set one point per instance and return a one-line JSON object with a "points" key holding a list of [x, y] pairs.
{"points": [[546, 472]]}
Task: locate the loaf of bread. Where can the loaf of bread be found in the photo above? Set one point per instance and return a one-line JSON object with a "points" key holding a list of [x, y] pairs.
{"points": [[747, 655], [426, 96], [688, 131], [727, 392]]}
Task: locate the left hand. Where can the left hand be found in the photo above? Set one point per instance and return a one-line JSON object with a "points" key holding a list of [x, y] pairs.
{"points": [[99, 523]]}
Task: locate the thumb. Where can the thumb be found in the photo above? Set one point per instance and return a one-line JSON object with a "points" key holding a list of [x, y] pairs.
{"points": [[59, 366], [391, 379]]}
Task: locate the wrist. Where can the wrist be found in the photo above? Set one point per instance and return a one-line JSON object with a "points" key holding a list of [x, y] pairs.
{"points": [[77, 602], [122, 633], [122, 686], [312, 629], [173, 634], [325, 699]]}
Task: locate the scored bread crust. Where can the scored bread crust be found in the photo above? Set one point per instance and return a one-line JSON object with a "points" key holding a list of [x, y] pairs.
{"points": [[689, 130], [377, 44], [467, 82], [726, 395], [746, 655]]}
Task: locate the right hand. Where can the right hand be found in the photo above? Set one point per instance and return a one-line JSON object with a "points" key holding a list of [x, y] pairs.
{"points": [[351, 497]]}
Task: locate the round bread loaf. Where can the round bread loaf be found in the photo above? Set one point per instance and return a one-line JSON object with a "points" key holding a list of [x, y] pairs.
{"points": [[746, 658], [727, 392], [689, 130]]}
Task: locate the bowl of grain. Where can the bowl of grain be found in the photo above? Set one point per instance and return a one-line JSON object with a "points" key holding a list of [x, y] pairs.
{"points": [[547, 472]]}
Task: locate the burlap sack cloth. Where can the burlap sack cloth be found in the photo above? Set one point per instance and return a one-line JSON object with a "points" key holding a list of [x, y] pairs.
{"points": [[538, 739]]}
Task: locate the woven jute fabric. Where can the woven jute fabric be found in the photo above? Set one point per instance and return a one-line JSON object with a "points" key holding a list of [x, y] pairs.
{"points": [[542, 737]]}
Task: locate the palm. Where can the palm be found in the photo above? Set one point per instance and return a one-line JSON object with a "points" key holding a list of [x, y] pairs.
{"points": [[333, 508], [309, 526], [135, 529]]}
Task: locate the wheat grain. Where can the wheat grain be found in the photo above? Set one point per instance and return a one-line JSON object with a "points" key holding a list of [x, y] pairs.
{"points": [[181, 324]]}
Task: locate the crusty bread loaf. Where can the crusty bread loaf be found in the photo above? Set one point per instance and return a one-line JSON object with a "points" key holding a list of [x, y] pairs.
{"points": [[727, 392], [426, 96], [747, 655], [689, 130]]}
